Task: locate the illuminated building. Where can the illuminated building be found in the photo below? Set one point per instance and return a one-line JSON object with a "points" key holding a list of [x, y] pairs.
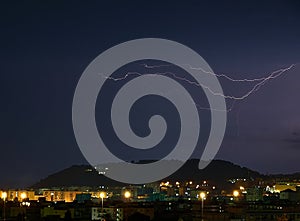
{"points": [[67, 195], [20, 195], [284, 186]]}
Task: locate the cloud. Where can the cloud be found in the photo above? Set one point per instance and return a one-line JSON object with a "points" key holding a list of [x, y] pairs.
{"points": [[292, 140]]}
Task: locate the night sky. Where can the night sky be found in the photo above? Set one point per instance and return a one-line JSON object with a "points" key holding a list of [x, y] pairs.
{"points": [[45, 47]]}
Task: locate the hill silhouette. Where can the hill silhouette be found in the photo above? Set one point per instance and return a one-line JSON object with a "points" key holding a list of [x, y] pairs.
{"points": [[218, 171]]}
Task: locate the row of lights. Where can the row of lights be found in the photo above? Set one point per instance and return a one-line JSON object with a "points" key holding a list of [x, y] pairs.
{"points": [[23, 195], [127, 194]]}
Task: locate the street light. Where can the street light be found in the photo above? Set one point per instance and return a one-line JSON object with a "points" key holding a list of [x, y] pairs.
{"points": [[23, 196], [202, 196], [102, 195], [4, 196], [127, 194], [236, 193]]}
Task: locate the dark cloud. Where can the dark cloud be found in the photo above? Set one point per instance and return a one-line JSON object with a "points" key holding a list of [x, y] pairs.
{"points": [[292, 140]]}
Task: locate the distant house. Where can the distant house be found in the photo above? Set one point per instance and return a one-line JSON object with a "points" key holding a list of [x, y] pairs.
{"points": [[289, 194]]}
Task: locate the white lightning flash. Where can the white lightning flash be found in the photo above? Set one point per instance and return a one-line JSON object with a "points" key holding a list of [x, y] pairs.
{"points": [[258, 82]]}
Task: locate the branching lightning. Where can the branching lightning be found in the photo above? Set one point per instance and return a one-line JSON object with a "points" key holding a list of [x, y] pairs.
{"points": [[258, 82], [223, 75]]}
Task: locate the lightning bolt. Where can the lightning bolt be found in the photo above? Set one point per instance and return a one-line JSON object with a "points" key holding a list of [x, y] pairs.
{"points": [[212, 73], [259, 82]]}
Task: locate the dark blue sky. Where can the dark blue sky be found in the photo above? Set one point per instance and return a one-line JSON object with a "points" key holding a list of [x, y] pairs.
{"points": [[45, 47]]}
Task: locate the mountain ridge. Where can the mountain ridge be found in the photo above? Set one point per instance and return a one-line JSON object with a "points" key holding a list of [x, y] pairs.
{"points": [[218, 171]]}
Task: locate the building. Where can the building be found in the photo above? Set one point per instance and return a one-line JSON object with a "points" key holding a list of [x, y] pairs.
{"points": [[254, 194], [114, 213], [52, 211], [288, 194], [20, 195]]}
